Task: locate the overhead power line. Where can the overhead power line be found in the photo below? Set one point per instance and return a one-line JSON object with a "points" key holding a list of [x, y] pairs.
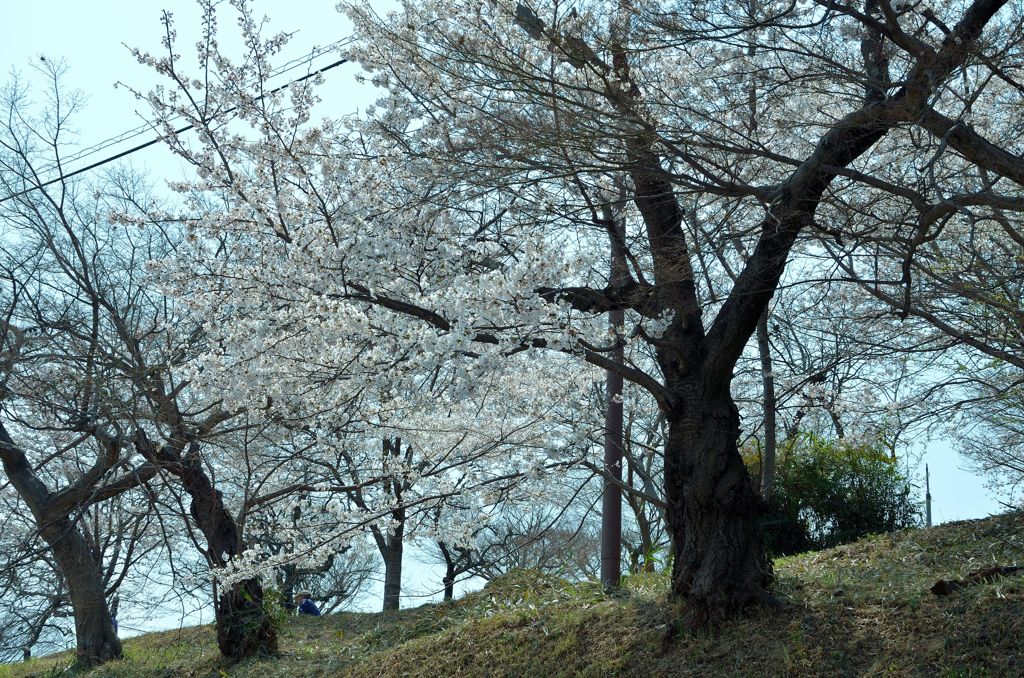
{"points": [[144, 128], [179, 131]]}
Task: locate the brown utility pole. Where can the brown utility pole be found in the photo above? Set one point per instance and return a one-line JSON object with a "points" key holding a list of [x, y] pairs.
{"points": [[611, 500]]}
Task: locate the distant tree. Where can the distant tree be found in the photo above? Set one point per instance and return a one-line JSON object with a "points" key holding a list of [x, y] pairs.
{"points": [[834, 491], [645, 538], [336, 583], [542, 539], [989, 423]]}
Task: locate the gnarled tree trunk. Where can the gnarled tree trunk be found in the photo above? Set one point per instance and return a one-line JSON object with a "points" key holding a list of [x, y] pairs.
{"points": [[244, 628], [719, 560], [95, 638]]}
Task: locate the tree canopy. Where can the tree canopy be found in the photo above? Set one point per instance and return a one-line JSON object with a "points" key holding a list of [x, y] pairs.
{"points": [[392, 323]]}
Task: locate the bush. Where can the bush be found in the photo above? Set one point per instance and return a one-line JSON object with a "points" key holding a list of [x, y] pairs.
{"points": [[830, 492]]}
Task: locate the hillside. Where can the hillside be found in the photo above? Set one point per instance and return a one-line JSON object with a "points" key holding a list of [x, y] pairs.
{"points": [[860, 609]]}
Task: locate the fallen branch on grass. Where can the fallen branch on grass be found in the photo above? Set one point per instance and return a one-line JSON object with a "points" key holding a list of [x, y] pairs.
{"points": [[943, 587]]}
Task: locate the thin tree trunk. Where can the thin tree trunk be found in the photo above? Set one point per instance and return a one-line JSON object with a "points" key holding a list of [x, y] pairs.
{"points": [[767, 480], [611, 499], [390, 547], [393, 567], [641, 558], [449, 583], [391, 544], [39, 624], [289, 575], [646, 542], [449, 571], [770, 425]]}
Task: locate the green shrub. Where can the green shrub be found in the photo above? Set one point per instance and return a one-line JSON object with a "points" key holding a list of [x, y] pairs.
{"points": [[830, 492]]}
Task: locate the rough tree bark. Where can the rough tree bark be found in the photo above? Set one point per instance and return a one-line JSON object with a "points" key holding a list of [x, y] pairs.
{"points": [[719, 562], [95, 638], [243, 627], [719, 559], [392, 555]]}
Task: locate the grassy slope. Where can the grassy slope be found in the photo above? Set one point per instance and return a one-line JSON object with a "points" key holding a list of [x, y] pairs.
{"points": [[861, 609]]}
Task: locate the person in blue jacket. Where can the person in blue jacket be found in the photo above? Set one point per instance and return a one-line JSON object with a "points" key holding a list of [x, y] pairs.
{"points": [[306, 604]]}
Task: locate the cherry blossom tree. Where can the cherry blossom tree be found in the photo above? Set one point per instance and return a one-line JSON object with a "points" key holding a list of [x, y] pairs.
{"points": [[91, 381], [421, 458], [461, 222], [583, 89]]}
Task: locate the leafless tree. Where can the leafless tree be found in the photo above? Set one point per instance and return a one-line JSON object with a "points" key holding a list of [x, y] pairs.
{"points": [[93, 359]]}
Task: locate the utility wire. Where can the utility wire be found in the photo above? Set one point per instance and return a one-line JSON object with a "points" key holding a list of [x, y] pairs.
{"points": [[142, 129], [177, 132]]}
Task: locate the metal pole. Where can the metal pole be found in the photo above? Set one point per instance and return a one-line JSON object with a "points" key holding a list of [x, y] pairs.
{"points": [[927, 498], [611, 498]]}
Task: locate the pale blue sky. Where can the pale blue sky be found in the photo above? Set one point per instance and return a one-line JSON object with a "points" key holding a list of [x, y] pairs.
{"points": [[93, 36]]}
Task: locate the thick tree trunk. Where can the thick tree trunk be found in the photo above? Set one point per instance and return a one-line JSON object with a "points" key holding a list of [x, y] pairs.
{"points": [[96, 640], [244, 628], [719, 561], [393, 569]]}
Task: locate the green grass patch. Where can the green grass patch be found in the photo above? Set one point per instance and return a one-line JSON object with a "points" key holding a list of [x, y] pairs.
{"points": [[863, 609]]}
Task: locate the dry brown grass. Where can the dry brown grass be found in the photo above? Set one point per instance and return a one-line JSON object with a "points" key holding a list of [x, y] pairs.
{"points": [[858, 610]]}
